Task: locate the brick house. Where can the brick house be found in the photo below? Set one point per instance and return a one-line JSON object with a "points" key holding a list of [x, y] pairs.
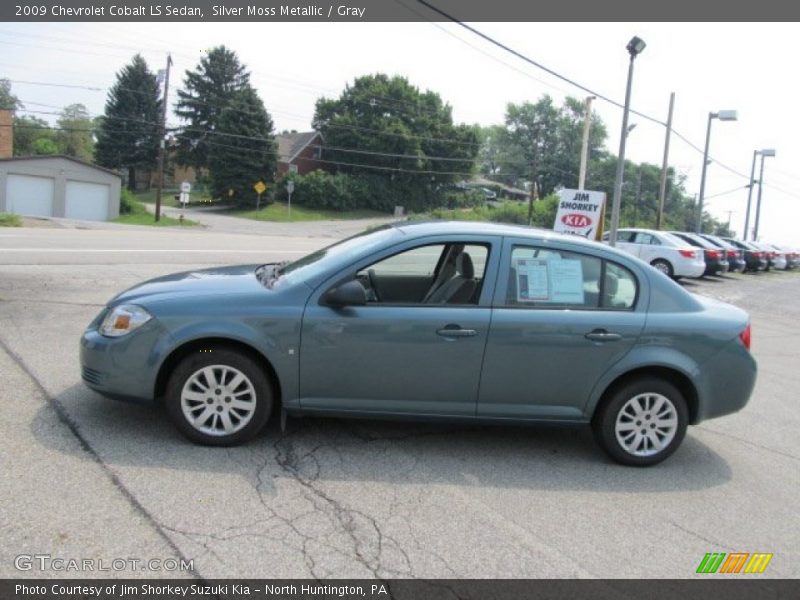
{"points": [[299, 152]]}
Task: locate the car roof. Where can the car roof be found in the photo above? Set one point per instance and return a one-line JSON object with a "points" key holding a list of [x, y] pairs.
{"points": [[425, 228]]}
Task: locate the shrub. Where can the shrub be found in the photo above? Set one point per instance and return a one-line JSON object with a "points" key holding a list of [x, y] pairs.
{"points": [[127, 202]]}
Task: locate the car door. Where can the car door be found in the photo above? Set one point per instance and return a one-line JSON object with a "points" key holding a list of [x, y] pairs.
{"points": [[561, 319], [648, 248], [400, 357]]}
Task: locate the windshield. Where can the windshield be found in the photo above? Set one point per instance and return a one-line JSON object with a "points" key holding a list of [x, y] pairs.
{"points": [[315, 263]]}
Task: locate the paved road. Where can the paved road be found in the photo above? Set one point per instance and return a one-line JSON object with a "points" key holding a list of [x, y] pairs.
{"points": [[88, 476]]}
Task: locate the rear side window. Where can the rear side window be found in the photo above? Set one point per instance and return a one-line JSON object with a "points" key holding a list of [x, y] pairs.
{"points": [[547, 278]]}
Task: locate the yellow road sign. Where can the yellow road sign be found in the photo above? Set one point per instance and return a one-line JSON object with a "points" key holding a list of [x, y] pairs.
{"points": [[260, 187]]}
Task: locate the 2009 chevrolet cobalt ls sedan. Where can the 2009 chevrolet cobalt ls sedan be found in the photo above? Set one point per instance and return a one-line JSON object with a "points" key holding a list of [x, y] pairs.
{"points": [[456, 321]]}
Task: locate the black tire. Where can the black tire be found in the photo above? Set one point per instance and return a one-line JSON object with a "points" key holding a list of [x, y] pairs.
{"points": [[255, 388], [606, 416], [664, 266]]}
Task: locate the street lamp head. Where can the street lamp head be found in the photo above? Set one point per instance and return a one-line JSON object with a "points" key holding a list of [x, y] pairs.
{"points": [[635, 46], [727, 115], [767, 152], [631, 127]]}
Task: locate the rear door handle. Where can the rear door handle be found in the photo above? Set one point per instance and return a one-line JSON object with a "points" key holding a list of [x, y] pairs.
{"points": [[601, 335], [454, 331]]}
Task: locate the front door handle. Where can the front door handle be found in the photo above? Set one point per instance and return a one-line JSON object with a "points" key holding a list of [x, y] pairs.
{"points": [[455, 331], [601, 335]]}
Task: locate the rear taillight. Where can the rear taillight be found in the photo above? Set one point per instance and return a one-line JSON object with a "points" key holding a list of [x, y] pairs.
{"points": [[687, 253], [745, 336], [733, 254], [712, 254], [757, 254]]}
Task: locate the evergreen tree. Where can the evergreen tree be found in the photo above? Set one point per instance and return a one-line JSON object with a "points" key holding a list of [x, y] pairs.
{"points": [[243, 150], [207, 92], [128, 134]]}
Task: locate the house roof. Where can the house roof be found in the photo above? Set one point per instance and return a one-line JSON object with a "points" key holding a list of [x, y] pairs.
{"points": [[292, 144], [63, 156]]}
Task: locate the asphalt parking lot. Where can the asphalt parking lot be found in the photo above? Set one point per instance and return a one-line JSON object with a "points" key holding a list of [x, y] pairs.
{"points": [[87, 477]]}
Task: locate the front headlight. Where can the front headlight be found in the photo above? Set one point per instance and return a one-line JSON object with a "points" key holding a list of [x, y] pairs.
{"points": [[123, 319]]}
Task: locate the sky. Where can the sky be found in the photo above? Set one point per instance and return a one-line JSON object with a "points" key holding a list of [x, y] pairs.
{"points": [[710, 67]]}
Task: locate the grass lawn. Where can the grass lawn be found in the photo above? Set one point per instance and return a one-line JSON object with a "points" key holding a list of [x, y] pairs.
{"points": [[140, 216], [278, 211], [10, 220]]}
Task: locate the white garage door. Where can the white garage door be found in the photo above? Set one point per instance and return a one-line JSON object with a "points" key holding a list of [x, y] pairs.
{"points": [[87, 201], [29, 195]]}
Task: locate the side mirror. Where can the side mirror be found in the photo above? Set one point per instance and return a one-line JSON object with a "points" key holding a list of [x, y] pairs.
{"points": [[351, 293]]}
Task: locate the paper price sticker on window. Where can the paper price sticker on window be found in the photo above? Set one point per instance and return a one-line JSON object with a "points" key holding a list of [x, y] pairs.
{"points": [[580, 212], [550, 280]]}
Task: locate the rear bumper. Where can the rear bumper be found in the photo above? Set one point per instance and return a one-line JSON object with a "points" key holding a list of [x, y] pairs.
{"points": [[726, 382], [690, 269]]}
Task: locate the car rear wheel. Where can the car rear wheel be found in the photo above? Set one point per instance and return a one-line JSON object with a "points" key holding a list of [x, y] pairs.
{"points": [[663, 266], [219, 397], [642, 422]]}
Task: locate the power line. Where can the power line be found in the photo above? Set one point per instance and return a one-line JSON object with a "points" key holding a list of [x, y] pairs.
{"points": [[569, 80]]}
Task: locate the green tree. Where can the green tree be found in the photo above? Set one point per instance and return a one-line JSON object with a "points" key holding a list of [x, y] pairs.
{"points": [[208, 90], [383, 129], [8, 100], [244, 151], [499, 158], [128, 133], [74, 136], [33, 135]]}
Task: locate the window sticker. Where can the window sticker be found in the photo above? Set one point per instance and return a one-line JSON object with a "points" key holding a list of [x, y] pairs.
{"points": [[533, 283], [554, 279]]}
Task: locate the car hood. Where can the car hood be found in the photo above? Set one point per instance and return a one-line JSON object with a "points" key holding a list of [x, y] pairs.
{"points": [[202, 282]]}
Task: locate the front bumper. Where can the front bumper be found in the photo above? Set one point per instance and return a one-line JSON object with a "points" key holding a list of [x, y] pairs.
{"points": [[123, 368]]}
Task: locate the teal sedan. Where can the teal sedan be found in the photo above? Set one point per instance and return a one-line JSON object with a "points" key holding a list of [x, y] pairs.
{"points": [[437, 321]]}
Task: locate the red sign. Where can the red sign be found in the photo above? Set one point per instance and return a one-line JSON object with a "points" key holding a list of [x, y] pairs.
{"points": [[576, 220]]}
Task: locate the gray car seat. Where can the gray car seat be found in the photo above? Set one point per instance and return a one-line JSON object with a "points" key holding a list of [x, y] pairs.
{"points": [[460, 288]]}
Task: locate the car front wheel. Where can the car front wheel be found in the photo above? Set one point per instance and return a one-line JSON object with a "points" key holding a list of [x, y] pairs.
{"points": [[642, 422], [219, 397]]}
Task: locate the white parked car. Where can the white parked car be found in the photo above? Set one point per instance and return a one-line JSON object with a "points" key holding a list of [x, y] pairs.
{"points": [[666, 252]]}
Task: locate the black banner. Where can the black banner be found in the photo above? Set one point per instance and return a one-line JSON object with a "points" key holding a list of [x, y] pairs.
{"points": [[745, 587], [394, 10]]}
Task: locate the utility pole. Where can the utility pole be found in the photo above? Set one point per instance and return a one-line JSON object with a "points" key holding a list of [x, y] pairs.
{"points": [[750, 195], [587, 126], [730, 212], [162, 140], [534, 170], [638, 197], [662, 190]]}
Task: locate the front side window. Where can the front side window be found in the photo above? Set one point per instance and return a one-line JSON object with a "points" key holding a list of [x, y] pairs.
{"points": [[447, 273], [547, 278]]}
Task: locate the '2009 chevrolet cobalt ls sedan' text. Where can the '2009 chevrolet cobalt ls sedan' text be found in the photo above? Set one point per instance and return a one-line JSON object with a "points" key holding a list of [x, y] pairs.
{"points": [[453, 321]]}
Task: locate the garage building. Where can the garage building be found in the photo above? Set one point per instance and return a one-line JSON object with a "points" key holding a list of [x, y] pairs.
{"points": [[58, 186]]}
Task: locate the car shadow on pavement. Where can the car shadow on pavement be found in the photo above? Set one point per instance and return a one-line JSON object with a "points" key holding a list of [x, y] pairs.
{"points": [[404, 453]]}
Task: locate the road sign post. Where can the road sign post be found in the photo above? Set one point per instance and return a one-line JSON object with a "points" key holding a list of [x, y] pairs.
{"points": [[289, 190], [260, 188]]}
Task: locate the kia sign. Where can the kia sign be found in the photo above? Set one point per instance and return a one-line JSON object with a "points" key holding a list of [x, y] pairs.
{"points": [[580, 212]]}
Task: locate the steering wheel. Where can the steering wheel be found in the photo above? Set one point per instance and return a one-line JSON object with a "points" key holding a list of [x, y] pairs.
{"points": [[371, 276]]}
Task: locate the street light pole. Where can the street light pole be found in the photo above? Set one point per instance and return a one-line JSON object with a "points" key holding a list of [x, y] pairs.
{"points": [[750, 195], [764, 154], [723, 115], [634, 47]]}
